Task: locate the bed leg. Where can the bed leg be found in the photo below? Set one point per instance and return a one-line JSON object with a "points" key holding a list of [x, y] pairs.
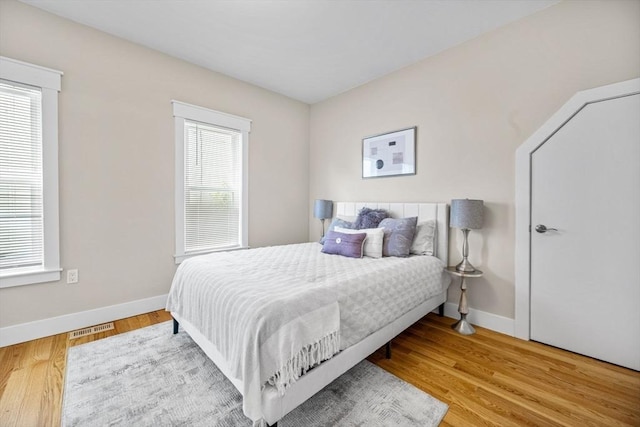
{"points": [[175, 326], [388, 347], [441, 310]]}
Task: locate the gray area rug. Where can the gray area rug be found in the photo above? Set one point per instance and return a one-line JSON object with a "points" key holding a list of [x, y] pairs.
{"points": [[150, 377]]}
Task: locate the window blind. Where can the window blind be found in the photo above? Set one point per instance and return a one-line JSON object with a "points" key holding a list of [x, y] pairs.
{"points": [[21, 215], [213, 171]]}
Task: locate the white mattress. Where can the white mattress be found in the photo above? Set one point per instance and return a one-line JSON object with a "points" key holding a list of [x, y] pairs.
{"points": [[370, 293], [378, 291]]}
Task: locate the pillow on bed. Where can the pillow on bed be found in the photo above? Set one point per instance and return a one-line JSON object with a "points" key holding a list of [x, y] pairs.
{"points": [[398, 236], [349, 245], [369, 218], [373, 243], [338, 222], [348, 218], [424, 240]]}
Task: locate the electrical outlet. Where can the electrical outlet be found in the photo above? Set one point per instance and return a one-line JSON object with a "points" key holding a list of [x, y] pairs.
{"points": [[72, 276]]}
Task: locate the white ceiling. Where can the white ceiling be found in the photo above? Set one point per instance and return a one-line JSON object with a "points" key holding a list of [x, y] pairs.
{"points": [[308, 50]]}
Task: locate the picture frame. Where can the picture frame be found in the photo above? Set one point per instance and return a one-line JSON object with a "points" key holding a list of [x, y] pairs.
{"points": [[389, 154]]}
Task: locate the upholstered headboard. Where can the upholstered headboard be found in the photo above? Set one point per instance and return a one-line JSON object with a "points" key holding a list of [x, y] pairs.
{"points": [[424, 212]]}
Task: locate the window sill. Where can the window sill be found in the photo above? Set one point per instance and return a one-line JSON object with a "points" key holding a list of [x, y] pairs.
{"points": [[182, 257], [20, 277]]}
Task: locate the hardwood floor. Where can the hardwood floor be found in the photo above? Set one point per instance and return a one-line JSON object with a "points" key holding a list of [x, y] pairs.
{"points": [[493, 379], [487, 378]]}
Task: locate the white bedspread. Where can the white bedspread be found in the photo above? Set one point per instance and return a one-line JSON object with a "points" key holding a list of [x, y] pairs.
{"points": [[262, 308]]}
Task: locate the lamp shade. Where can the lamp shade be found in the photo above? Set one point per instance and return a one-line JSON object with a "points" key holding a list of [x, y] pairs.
{"points": [[466, 213], [323, 209]]}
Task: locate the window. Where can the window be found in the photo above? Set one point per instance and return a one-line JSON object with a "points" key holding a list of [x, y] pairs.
{"points": [[29, 230], [211, 180]]}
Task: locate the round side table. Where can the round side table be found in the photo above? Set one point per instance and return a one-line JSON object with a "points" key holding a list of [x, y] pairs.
{"points": [[462, 326]]}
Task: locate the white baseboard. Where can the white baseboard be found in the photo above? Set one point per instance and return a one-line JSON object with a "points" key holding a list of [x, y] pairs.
{"points": [[501, 324], [69, 322]]}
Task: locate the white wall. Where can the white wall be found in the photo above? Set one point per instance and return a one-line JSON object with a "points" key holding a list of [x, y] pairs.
{"points": [[117, 162], [473, 106]]}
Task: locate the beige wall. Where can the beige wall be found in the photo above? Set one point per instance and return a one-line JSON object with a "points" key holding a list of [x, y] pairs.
{"points": [[473, 106], [117, 161]]}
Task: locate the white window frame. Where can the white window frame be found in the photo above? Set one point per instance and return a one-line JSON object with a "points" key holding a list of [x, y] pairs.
{"points": [[49, 81], [181, 112]]}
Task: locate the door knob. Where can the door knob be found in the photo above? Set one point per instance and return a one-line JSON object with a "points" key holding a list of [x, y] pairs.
{"points": [[541, 228]]}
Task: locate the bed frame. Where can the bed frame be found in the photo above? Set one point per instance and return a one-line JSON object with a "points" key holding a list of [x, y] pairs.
{"points": [[274, 406]]}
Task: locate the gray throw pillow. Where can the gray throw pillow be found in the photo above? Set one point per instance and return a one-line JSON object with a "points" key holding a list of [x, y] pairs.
{"points": [[398, 236]]}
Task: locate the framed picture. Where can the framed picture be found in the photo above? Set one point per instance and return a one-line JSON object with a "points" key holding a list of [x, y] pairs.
{"points": [[389, 154]]}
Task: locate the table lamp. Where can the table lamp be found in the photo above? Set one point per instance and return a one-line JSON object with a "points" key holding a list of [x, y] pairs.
{"points": [[322, 210], [466, 214]]}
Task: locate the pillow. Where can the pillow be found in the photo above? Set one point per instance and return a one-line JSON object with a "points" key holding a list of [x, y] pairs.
{"points": [[398, 236], [349, 245], [369, 218], [347, 218], [338, 222], [373, 244], [424, 240]]}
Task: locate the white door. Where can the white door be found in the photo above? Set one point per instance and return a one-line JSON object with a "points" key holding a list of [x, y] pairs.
{"points": [[585, 277]]}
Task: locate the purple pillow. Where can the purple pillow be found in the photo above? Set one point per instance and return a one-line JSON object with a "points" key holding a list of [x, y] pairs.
{"points": [[369, 218], [398, 236], [350, 245]]}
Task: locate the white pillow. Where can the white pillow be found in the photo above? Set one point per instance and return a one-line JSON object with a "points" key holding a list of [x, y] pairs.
{"points": [[373, 243], [424, 239]]}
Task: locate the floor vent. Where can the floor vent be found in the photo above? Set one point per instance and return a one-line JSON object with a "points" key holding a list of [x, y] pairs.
{"points": [[90, 331]]}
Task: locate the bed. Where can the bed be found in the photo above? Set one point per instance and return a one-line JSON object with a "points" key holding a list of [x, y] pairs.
{"points": [[282, 322]]}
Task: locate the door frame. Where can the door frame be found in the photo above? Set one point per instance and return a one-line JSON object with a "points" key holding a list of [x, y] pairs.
{"points": [[523, 190]]}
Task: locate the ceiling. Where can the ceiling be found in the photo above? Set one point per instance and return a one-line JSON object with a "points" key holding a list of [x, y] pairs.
{"points": [[309, 50]]}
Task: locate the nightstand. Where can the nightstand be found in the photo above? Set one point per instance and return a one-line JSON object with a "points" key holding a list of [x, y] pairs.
{"points": [[462, 326]]}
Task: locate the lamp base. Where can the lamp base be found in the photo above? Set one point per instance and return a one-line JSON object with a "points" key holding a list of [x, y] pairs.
{"points": [[465, 266], [463, 327]]}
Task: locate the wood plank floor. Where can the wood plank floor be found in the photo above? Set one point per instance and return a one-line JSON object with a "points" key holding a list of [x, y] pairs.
{"points": [[487, 378]]}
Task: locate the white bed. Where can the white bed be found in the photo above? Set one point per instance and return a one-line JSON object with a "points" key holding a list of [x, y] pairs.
{"points": [[272, 404]]}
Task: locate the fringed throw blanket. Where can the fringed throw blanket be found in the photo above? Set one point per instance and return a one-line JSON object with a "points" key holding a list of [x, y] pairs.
{"points": [[275, 312], [269, 326]]}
